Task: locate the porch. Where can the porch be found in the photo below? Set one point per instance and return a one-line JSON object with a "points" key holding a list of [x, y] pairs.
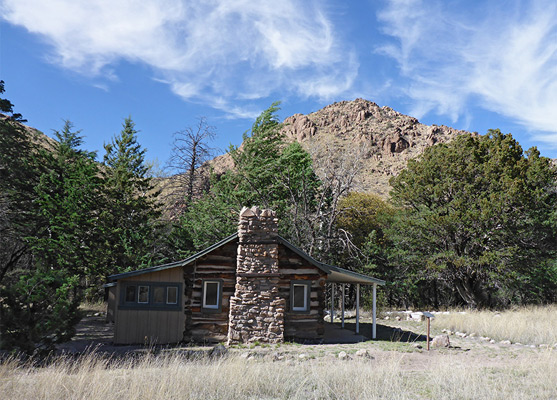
{"points": [[343, 277]]}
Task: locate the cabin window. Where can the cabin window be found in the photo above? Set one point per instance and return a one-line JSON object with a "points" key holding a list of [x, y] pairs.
{"points": [[172, 295], [143, 295], [150, 295], [158, 294], [300, 296], [212, 294], [130, 293]]}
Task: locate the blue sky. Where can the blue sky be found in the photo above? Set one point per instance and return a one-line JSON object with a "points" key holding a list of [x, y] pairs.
{"points": [[471, 65]]}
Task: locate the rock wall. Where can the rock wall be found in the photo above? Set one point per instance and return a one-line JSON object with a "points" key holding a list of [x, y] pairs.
{"points": [[257, 309]]}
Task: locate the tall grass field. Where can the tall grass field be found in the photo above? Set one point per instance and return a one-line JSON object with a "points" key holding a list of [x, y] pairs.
{"points": [[527, 325], [477, 371], [170, 377]]}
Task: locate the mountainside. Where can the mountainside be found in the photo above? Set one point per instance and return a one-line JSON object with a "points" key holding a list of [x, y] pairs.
{"points": [[382, 138], [36, 136]]}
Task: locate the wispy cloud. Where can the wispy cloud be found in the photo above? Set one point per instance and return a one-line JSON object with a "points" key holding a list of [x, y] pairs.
{"points": [[223, 52], [501, 57]]}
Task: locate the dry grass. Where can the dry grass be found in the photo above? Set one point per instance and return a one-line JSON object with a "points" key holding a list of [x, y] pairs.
{"points": [[89, 307], [470, 371], [389, 377], [528, 325]]}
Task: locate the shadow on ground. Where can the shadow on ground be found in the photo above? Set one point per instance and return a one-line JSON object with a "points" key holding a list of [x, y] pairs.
{"points": [[334, 334], [94, 333]]}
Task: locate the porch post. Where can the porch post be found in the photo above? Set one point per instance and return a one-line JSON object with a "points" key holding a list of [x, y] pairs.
{"points": [[332, 302], [374, 325], [357, 308], [343, 285]]}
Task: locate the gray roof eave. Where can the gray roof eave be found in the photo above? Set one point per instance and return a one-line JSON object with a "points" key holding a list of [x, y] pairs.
{"points": [[341, 275]]}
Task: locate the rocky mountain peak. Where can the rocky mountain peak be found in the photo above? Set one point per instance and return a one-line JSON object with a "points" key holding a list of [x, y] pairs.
{"points": [[389, 138]]}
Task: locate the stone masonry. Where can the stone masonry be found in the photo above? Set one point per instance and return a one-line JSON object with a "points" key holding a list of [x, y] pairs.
{"points": [[256, 309]]}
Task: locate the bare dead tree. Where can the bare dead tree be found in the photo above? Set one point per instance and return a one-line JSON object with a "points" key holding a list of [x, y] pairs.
{"points": [[337, 171], [190, 150]]}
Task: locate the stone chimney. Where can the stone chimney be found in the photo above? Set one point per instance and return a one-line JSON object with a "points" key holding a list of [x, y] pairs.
{"points": [[256, 309]]}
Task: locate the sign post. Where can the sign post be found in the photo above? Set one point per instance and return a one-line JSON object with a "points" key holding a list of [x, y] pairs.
{"points": [[428, 316]]}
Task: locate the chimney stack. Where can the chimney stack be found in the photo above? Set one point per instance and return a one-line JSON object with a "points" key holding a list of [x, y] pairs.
{"points": [[256, 309]]}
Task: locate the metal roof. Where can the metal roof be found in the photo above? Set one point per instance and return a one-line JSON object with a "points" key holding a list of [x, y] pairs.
{"points": [[341, 275], [175, 264], [334, 274]]}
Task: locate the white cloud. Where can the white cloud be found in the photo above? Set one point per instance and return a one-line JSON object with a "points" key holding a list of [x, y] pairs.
{"points": [[501, 57], [216, 51]]}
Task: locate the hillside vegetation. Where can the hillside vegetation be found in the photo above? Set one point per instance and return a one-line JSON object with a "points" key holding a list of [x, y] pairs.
{"points": [[382, 139]]}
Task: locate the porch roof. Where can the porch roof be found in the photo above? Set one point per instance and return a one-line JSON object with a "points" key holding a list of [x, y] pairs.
{"points": [[334, 274]]}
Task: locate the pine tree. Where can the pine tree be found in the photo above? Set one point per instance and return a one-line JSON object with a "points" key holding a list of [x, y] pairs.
{"points": [[268, 172], [67, 195], [131, 214], [18, 176], [40, 300]]}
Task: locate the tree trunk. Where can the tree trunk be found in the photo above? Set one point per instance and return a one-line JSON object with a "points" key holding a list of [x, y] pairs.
{"points": [[472, 292]]}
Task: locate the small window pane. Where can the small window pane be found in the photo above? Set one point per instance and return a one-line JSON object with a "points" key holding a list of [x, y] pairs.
{"points": [[158, 295], [130, 294], [299, 303], [211, 298], [172, 295], [143, 294]]}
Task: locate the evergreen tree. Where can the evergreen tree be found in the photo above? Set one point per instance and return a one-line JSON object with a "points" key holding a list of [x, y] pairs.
{"points": [[257, 161], [19, 171], [131, 213], [269, 173], [40, 299], [68, 199], [480, 213]]}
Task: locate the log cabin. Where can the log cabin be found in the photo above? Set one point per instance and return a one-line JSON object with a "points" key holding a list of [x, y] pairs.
{"points": [[253, 286]]}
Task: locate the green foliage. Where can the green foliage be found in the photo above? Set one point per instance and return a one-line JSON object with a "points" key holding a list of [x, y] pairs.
{"points": [[131, 211], [210, 218], [51, 206], [257, 161], [268, 173], [480, 216], [68, 201], [298, 198], [363, 214], [38, 310], [18, 176], [6, 106], [65, 224]]}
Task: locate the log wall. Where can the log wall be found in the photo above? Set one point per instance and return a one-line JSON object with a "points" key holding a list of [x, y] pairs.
{"points": [[302, 325], [202, 325]]}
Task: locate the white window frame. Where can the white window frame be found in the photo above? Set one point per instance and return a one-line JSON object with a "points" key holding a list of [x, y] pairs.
{"points": [[306, 288], [211, 306]]}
